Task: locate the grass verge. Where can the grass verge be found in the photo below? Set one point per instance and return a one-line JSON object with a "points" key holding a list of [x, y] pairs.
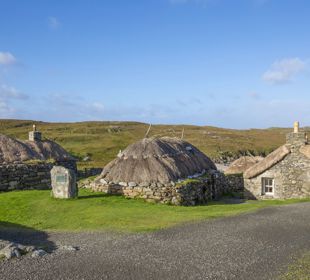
{"points": [[96, 211], [299, 270]]}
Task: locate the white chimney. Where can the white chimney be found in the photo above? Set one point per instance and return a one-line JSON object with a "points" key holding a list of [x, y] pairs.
{"points": [[296, 127], [34, 135]]}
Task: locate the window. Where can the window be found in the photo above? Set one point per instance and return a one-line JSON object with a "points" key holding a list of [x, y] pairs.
{"points": [[267, 186]]}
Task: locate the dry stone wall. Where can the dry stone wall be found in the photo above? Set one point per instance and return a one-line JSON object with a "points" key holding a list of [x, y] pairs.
{"points": [[235, 182], [26, 176], [70, 164], [188, 192], [89, 172]]}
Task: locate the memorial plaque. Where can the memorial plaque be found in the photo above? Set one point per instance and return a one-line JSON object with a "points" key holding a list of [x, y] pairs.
{"points": [[61, 178], [63, 182]]}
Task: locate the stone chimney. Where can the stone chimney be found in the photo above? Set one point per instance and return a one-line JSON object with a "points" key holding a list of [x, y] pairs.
{"points": [[34, 135], [296, 138], [296, 127]]}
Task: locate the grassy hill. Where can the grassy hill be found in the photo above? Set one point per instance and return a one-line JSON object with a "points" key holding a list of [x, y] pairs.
{"points": [[103, 140]]}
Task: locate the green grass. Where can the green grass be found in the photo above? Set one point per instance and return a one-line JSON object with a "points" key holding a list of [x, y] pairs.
{"points": [[300, 270], [102, 144], [97, 211]]}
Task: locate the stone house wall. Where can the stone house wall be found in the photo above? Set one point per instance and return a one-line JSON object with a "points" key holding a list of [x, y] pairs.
{"points": [[189, 192], [235, 182], [26, 176], [291, 178], [71, 164]]}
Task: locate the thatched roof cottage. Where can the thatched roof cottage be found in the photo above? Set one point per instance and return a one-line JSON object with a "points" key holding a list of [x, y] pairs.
{"points": [[16, 151], [157, 160], [152, 167], [285, 173], [240, 165], [27, 164]]}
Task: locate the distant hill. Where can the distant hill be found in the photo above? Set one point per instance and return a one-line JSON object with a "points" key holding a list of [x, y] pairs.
{"points": [[101, 141]]}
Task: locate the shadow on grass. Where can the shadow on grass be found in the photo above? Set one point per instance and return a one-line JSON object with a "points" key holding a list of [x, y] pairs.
{"points": [[26, 236], [227, 201]]}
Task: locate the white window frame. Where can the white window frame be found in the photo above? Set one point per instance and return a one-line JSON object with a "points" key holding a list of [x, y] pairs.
{"points": [[268, 182]]}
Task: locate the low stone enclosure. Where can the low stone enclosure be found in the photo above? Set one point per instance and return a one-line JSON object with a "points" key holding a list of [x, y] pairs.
{"points": [[165, 170], [189, 192]]}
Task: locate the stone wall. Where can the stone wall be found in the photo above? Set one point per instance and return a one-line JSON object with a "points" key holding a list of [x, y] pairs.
{"points": [[235, 182], [291, 178], [25, 176], [189, 192], [71, 164], [89, 172]]}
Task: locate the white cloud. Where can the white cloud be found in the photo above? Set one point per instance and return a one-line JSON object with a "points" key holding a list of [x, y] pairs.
{"points": [[97, 106], [71, 107], [284, 70], [7, 95], [6, 111], [53, 23], [8, 92], [254, 95], [6, 58]]}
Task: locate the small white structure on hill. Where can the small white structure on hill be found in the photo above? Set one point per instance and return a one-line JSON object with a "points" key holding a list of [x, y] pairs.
{"points": [[35, 135]]}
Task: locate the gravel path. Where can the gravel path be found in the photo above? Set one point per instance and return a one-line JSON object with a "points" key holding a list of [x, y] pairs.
{"points": [[251, 246]]}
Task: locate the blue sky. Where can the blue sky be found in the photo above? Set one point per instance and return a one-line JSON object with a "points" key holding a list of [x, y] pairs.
{"points": [[227, 63]]}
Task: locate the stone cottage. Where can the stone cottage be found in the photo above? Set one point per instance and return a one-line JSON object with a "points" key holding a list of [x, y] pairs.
{"points": [[234, 172], [285, 173], [27, 164], [167, 170]]}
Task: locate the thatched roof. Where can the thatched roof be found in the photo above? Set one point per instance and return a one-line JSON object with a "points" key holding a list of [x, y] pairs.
{"points": [[48, 149], [240, 165], [267, 162], [13, 150], [157, 160]]}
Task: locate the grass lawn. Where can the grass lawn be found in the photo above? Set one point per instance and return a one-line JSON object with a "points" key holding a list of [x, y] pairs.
{"points": [[299, 270], [97, 211]]}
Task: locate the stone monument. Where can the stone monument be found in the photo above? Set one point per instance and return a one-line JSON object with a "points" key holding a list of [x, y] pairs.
{"points": [[63, 182]]}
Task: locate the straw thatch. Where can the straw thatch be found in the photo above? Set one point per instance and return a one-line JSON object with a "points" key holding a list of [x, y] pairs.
{"points": [[48, 149], [267, 162], [157, 160], [242, 164], [13, 150]]}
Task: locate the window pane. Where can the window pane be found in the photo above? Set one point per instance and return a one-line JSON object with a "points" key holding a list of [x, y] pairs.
{"points": [[267, 185]]}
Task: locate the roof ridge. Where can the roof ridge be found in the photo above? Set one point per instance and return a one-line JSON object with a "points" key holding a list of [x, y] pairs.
{"points": [[269, 161]]}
